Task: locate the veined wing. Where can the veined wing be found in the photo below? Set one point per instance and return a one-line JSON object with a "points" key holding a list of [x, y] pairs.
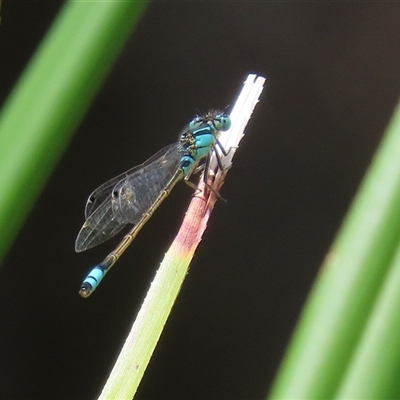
{"points": [[103, 222], [102, 193], [135, 195], [99, 195], [99, 227]]}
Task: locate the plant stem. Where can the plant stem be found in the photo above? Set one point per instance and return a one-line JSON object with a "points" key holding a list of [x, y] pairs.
{"points": [[147, 328], [341, 301], [51, 97]]}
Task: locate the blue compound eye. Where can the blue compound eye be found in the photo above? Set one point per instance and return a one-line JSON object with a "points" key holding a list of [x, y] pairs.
{"points": [[195, 122], [222, 122]]}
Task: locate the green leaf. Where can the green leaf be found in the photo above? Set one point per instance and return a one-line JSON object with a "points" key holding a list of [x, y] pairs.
{"points": [[51, 97], [354, 272]]}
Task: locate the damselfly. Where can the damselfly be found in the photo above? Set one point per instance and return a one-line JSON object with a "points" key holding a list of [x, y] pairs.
{"points": [[132, 197]]}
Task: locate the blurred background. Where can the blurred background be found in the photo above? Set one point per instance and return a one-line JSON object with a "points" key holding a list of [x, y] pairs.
{"points": [[333, 82]]}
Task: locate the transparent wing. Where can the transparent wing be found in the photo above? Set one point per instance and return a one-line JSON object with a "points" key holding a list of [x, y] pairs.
{"points": [[99, 227], [103, 191], [104, 218], [135, 195]]}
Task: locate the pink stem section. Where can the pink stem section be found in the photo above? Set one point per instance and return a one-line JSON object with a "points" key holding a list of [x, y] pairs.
{"points": [[195, 222]]}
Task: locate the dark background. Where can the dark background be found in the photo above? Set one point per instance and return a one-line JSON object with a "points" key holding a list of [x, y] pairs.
{"points": [[333, 81]]}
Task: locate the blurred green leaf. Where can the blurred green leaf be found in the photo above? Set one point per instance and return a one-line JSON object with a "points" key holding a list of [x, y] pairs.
{"points": [[51, 97]]}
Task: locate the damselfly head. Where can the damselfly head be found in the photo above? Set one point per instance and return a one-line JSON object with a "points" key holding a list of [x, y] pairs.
{"points": [[215, 119], [221, 122]]}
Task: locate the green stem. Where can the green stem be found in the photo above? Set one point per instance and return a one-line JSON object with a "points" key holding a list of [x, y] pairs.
{"points": [[374, 369], [341, 301], [51, 97], [139, 346], [147, 328]]}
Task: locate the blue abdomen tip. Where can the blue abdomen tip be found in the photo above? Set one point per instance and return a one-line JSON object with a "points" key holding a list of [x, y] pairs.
{"points": [[91, 282]]}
